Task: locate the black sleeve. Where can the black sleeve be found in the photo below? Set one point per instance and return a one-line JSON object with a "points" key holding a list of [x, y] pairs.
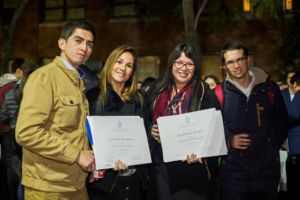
{"points": [[210, 99], [280, 116]]}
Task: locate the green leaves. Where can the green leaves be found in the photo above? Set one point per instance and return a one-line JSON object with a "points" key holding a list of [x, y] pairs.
{"points": [[265, 9]]}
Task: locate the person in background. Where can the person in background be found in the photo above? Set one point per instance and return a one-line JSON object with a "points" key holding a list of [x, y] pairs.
{"points": [[119, 96], [139, 84], [146, 83], [292, 101], [288, 82], [8, 115], [51, 121], [178, 90], [288, 94], [211, 80], [16, 68], [255, 122], [7, 84], [91, 82]]}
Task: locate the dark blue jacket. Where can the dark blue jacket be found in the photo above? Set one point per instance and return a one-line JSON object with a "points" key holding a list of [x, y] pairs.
{"points": [[293, 108], [258, 167]]}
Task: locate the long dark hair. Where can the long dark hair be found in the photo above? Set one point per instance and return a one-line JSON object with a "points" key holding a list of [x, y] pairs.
{"points": [[70, 27], [166, 81]]}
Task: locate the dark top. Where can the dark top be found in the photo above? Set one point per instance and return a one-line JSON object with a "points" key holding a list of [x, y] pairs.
{"points": [[183, 176], [293, 108], [116, 107], [257, 167]]}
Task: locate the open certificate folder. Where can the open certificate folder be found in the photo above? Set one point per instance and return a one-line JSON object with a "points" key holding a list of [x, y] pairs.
{"points": [[118, 138], [199, 132]]}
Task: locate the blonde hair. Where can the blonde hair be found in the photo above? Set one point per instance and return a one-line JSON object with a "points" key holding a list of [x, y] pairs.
{"points": [[130, 88]]}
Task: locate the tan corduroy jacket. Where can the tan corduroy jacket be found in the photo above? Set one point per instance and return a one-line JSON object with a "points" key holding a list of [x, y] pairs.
{"points": [[51, 129]]}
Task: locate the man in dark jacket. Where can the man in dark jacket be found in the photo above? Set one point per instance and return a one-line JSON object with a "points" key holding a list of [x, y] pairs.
{"points": [[291, 97], [255, 122]]}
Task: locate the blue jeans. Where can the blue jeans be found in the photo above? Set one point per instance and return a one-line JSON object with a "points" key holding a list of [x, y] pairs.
{"points": [[20, 194]]}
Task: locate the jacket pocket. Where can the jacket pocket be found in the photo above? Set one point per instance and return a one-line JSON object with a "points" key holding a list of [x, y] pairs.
{"points": [[69, 113]]}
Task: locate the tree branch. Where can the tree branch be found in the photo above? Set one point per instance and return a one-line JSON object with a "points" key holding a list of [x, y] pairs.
{"points": [[18, 12], [199, 13], [8, 37], [188, 15]]}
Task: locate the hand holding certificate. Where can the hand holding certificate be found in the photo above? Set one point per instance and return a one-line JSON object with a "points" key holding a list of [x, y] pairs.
{"points": [[199, 132], [118, 138]]}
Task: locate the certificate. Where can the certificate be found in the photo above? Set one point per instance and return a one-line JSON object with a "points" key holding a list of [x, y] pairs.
{"points": [[199, 132], [118, 138]]}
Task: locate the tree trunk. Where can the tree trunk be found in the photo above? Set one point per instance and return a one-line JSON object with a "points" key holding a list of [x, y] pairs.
{"points": [[191, 22], [8, 36], [1, 34], [190, 33]]}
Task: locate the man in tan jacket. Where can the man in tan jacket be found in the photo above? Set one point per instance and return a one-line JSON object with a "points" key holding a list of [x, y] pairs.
{"points": [[51, 121]]}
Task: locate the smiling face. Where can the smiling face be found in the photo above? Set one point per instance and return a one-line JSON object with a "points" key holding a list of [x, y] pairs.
{"points": [[183, 70], [122, 69], [77, 48], [236, 64]]}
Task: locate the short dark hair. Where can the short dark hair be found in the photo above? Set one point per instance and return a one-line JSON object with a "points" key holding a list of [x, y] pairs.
{"points": [[234, 46], [148, 81], [17, 64], [295, 78], [69, 28], [215, 78]]}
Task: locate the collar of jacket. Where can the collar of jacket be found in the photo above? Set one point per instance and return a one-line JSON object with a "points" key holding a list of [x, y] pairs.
{"points": [[72, 74], [114, 101], [260, 76]]}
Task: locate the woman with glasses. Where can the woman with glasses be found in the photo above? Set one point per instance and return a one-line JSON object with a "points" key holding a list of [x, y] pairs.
{"points": [[179, 90]]}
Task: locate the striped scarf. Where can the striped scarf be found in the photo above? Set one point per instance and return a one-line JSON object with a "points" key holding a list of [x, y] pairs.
{"points": [[164, 105]]}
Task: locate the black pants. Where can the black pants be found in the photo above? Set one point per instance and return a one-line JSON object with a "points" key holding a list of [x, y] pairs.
{"points": [[293, 176], [3, 182], [163, 190], [258, 195], [125, 187], [12, 179]]}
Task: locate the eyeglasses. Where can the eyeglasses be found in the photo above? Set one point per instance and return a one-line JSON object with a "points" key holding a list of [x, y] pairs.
{"points": [[179, 64], [239, 61]]}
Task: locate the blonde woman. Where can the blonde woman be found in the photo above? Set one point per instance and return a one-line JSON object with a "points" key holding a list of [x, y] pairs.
{"points": [[118, 95]]}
